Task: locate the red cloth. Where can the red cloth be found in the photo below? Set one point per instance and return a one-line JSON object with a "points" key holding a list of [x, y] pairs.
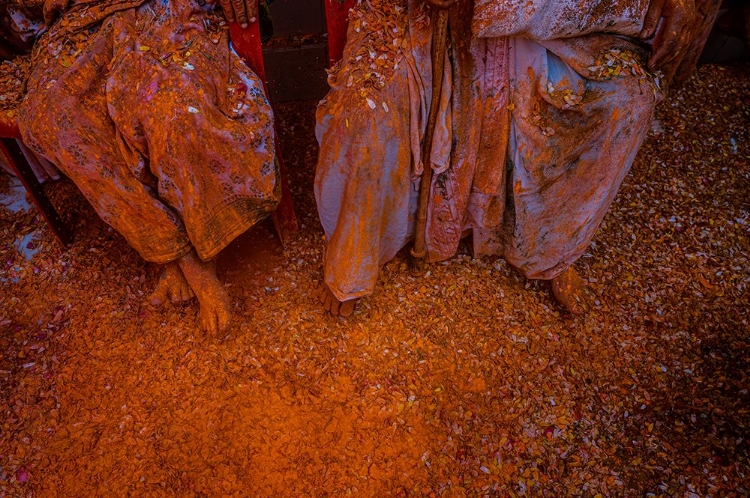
{"points": [[337, 18]]}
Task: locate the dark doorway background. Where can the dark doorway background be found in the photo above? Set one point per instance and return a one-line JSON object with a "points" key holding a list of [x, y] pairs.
{"points": [[296, 55]]}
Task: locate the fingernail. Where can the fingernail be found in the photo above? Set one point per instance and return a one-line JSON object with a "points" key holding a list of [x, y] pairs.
{"points": [[244, 25], [252, 19]]}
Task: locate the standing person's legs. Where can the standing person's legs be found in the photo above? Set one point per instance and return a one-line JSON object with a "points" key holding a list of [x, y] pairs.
{"points": [[575, 134], [365, 186], [365, 194]]}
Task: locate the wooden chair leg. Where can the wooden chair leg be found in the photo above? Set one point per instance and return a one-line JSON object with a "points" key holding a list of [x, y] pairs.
{"points": [[20, 166]]}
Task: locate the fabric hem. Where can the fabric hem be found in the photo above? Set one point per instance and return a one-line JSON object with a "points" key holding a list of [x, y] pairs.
{"points": [[346, 297], [209, 252], [165, 258]]}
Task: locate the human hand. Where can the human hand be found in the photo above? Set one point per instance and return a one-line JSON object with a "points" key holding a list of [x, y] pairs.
{"points": [[242, 11], [440, 4], [52, 9], [674, 35]]}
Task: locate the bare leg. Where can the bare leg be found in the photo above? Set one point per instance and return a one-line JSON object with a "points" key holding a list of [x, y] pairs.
{"points": [[172, 287], [333, 305], [570, 290], [215, 308]]}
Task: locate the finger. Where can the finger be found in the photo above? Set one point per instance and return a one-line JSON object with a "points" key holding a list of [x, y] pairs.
{"points": [[335, 304], [178, 295], [226, 6], [206, 322], [52, 10], [251, 6], [322, 294], [214, 325], [159, 296], [653, 15], [239, 12], [328, 304], [672, 53], [664, 51], [50, 13], [675, 35], [347, 308], [223, 321], [668, 54]]}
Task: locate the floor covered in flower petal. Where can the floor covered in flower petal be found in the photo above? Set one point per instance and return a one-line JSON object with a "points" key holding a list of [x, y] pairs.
{"points": [[469, 381]]}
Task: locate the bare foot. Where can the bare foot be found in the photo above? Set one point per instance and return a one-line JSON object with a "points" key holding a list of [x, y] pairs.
{"points": [[172, 287], [333, 305], [570, 290], [215, 308]]}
